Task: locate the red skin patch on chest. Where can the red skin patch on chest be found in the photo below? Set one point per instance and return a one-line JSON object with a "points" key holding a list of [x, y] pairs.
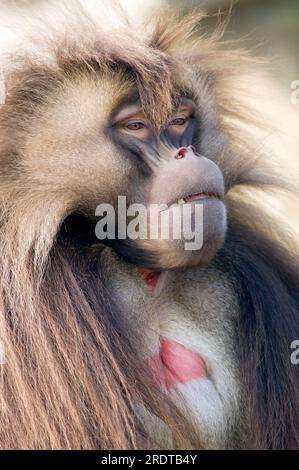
{"points": [[175, 364], [151, 279]]}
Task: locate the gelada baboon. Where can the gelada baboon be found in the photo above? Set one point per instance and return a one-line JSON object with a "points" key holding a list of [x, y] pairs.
{"points": [[106, 344]]}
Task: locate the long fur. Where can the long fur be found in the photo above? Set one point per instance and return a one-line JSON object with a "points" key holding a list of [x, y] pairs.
{"points": [[266, 282], [72, 378]]}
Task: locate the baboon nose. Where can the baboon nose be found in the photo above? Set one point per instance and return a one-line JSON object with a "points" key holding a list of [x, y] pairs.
{"points": [[182, 153]]}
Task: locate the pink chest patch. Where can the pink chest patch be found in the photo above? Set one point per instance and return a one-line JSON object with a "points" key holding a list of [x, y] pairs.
{"points": [[151, 278], [175, 364]]}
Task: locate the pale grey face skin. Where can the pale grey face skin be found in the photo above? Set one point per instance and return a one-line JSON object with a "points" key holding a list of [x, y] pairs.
{"points": [[198, 309]]}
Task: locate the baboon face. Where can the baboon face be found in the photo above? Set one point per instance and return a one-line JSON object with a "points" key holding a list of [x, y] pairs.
{"points": [[93, 142]]}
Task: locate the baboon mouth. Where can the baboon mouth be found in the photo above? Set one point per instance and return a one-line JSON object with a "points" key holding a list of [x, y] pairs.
{"points": [[200, 196], [194, 197]]}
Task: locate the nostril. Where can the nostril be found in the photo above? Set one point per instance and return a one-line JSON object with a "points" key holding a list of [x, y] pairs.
{"points": [[182, 153]]}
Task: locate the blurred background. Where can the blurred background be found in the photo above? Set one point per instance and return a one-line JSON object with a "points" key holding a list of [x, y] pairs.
{"points": [[272, 25]]}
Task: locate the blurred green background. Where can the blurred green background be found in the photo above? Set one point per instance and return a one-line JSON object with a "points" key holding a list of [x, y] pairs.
{"points": [[272, 25]]}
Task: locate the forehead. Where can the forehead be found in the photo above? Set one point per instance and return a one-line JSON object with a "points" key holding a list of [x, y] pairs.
{"points": [[84, 101], [130, 105], [91, 100], [80, 99]]}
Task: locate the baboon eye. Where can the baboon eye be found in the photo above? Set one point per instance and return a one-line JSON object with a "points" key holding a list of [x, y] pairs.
{"points": [[135, 126], [179, 121]]}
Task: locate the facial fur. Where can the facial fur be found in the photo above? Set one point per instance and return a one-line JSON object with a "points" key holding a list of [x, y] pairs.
{"points": [[74, 136]]}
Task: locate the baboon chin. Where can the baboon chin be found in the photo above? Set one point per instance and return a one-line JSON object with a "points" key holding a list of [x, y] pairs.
{"points": [[142, 343]]}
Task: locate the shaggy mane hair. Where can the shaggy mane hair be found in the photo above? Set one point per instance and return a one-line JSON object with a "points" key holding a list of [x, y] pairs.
{"points": [[72, 378]]}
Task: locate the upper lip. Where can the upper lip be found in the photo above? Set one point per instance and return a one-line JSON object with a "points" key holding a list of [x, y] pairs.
{"points": [[212, 194]]}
